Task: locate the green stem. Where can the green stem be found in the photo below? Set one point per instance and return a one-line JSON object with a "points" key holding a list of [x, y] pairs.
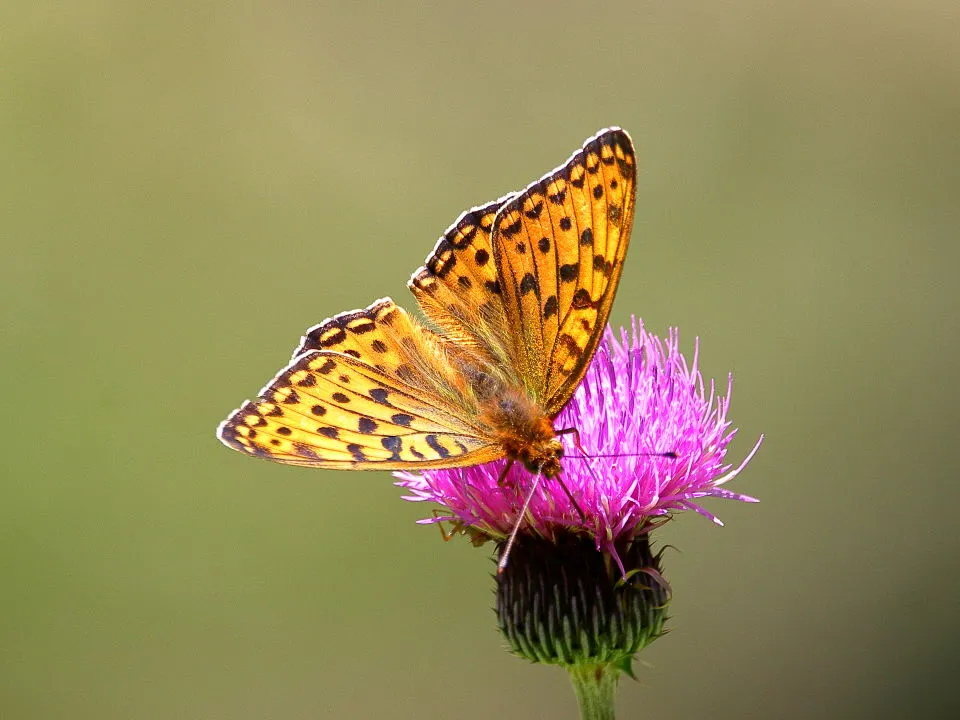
{"points": [[595, 686]]}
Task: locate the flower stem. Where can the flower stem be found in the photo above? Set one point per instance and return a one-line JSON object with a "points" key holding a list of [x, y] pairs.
{"points": [[595, 687]]}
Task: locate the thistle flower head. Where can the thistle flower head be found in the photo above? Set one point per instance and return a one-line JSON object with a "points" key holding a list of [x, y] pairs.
{"points": [[652, 441]]}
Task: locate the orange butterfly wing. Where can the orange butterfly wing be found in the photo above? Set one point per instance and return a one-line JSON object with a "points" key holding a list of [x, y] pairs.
{"points": [[368, 389], [520, 288], [459, 291], [527, 282], [559, 248]]}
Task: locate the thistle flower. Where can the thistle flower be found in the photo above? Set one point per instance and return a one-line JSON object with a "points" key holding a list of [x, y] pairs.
{"points": [[582, 588], [653, 441]]}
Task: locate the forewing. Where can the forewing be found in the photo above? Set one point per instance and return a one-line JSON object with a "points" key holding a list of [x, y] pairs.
{"points": [[559, 248], [378, 395], [330, 410]]}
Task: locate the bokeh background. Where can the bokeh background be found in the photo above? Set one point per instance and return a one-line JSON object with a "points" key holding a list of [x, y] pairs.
{"points": [[187, 186]]}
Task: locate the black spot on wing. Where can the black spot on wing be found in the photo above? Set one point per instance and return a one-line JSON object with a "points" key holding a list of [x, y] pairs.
{"points": [[569, 272], [602, 265], [529, 284], [380, 395], [513, 228], [550, 306], [581, 299], [394, 445], [361, 327], [336, 337], [571, 345], [356, 451], [401, 419], [305, 452], [435, 445]]}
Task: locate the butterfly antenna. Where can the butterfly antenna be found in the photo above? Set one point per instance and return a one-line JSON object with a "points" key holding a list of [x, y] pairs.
{"points": [[502, 564], [669, 454]]}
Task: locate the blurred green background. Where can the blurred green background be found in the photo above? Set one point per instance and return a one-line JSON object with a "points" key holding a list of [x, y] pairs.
{"points": [[187, 186]]}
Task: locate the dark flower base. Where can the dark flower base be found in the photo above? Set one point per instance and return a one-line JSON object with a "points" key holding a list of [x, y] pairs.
{"points": [[562, 602]]}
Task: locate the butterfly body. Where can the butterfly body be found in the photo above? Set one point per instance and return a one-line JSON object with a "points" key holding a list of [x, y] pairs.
{"points": [[523, 431], [517, 291]]}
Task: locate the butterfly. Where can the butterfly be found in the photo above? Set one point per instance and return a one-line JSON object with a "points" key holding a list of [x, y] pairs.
{"points": [[516, 294]]}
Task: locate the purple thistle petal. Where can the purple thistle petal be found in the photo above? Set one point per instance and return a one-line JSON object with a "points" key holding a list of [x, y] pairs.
{"points": [[639, 399]]}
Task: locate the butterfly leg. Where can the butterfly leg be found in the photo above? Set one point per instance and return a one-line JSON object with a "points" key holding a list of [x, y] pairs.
{"points": [[501, 481], [447, 535], [458, 527], [576, 441]]}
